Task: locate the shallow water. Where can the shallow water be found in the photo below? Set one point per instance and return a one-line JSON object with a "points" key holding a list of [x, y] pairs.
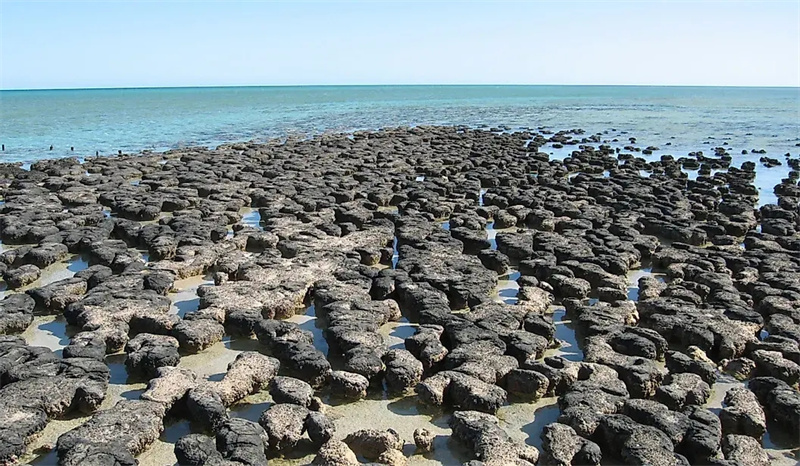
{"points": [[745, 118], [308, 321], [48, 331], [633, 280], [184, 294], [58, 271], [251, 217], [569, 348]]}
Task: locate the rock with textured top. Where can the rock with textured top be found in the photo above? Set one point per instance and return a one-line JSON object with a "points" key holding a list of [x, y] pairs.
{"points": [[489, 443], [127, 428], [335, 453], [206, 408], [319, 427], [247, 374], [773, 364], [16, 313], [349, 385], [198, 334], [392, 458], [683, 389], [744, 450], [561, 446], [86, 345], [423, 439], [291, 390], [740, 368], [527, 382], [196, 450], [56, 296], [403, 370], [461, 391], [243, 442], [426, 345], [371, 443], [21, 276], [148, 352], [624, 439], [742, 414], [679, 362], [170, 385], [284, 425], [780, 401]]}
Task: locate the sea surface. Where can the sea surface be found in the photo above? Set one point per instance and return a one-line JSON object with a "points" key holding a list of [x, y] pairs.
{"points": [[108, 120]]}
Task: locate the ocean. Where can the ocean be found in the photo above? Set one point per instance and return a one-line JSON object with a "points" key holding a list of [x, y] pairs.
{"points": [[105, 121]]}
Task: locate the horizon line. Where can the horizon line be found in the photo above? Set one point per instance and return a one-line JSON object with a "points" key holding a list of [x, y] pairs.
{"points": [[234, 86]]}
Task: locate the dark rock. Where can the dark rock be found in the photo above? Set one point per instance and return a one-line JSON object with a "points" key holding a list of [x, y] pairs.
{"points": [[291, 390], [126, 429], [489, 443], [148, 352], [16, 313], [22, 275], [563, 447], [196, 450], [371, 444], [242, 441], [742, 414], [423, 439], [349, 385]]}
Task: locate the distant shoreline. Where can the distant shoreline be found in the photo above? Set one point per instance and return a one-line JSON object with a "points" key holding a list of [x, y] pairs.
{"points": [[284, 86]]}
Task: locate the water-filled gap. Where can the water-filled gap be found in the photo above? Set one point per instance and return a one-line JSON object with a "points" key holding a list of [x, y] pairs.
{"points": [[251, 217], [184, 294], [309, 321]]}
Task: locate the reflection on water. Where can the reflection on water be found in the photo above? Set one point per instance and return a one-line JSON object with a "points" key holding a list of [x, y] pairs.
{"points": [[184, 294], [252, 218], [524, 421], [395, 333], [633, 280], [48, 331], [308, 321], [565, 334]]}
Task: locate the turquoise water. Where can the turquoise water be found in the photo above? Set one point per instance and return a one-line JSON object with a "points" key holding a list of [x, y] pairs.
{"points": [[107, 120]]}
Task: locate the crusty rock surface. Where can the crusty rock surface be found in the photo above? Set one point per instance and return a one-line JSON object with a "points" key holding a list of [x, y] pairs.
{"points": [[369, 265]]}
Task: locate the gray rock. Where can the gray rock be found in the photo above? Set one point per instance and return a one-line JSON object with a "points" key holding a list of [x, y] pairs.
{"points": [[196, 450], [128, 428], [335, 453], [563, 447], [242, 441], [683, 389], [423, 439], [490, 444], [403, 370], [284, 425], [291, 390], [16, 313], [170, 385], [22, 275], [148, 352], [742, 414], [349, 385], [744, 450], [371, 444]]}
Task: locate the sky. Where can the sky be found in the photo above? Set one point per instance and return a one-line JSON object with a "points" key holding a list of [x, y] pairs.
{"points": [[180, 43]]}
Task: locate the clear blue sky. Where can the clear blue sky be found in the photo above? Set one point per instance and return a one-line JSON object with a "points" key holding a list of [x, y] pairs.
{"points": [[121, 44]]}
